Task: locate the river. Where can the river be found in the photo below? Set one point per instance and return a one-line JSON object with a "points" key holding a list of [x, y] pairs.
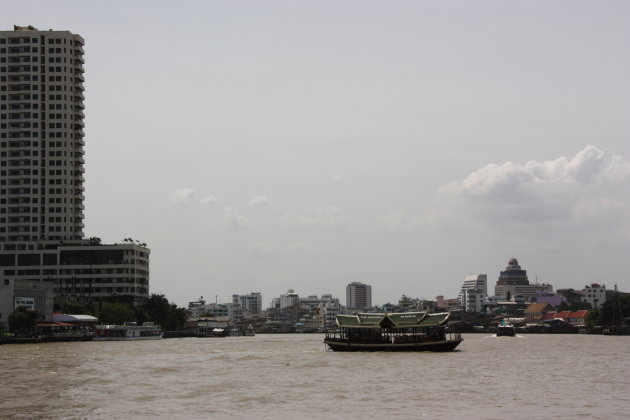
{"points": [[292, 377]]}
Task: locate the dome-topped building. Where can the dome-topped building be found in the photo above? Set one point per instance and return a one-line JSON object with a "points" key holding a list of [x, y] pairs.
{"points": [[513, 274], [514, 282]]}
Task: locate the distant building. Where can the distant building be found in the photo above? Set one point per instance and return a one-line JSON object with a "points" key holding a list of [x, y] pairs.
{"points": [[570, 295], [358, 295], [289, 300], [474, 292], [442, 304], [513, 282], [251, 302], [326, 312], [595, 294], [407, 304], [549, 297], [200, 308]]}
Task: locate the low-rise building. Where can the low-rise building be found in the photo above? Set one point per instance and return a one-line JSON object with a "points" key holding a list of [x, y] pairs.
{"points": [[576, 318], [537, 311], [31, 294]]}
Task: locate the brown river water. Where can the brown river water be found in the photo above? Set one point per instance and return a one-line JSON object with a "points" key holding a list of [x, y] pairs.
{"points": [[293, 377]]}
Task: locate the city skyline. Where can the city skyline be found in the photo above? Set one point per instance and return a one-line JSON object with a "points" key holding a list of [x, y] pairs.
{"points": [[307, 146]]}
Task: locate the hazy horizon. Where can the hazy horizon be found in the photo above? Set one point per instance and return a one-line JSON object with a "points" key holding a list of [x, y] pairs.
{"points": [[261, 146]]}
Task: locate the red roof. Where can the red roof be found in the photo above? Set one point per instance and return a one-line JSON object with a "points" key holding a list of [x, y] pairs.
{"points": [[580, 314], [54, 324], [568, 314]]}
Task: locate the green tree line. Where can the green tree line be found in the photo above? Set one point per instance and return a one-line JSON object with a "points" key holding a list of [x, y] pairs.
{"points": [[604, 315], [157, 309]]}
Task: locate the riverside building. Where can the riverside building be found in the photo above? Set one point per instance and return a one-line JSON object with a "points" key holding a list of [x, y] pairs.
{"points": [[41, 177]]}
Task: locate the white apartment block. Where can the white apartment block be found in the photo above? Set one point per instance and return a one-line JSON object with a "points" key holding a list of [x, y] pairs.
{"points": [[472, 300], [474, 292], [289, 300], [595, 294], [41, 176], [251, 302]]}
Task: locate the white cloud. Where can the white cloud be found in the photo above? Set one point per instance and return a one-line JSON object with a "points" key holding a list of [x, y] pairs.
{"points": [[260, 201], [557, 190], [585, 190], [317, 217], [210, 200], [337, 178], [232, 219], [183, 195], [586, 167]]}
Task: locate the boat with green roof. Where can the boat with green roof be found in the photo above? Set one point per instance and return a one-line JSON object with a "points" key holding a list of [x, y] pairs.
{"points": [[407, 331]]}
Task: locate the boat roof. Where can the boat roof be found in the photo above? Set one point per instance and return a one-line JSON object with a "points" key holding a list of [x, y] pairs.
{"points": [[73, 318], [394, 320]]}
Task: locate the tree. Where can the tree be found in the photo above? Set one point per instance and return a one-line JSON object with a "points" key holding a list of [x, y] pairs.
{"points": [[116, 313], [578, 306], [178, 317], [156, 309], [22, 319], [168, 316], [94, 240], [564, 306], [606, 312]]}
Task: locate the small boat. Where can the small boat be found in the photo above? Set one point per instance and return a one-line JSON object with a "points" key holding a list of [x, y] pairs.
{"points": [[127, 332], [219, 332], [407, 331], [505, 330]]}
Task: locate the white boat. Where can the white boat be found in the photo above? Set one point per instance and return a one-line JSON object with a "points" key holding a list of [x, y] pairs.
{"points": [[127, 332]]}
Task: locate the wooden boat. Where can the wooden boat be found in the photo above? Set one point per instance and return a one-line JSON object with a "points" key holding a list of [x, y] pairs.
{"points": [[407, 331]]}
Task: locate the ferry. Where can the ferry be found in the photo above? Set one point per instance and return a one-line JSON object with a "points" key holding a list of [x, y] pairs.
{"points": [[407, 331], [505, 330], [127, 332]]}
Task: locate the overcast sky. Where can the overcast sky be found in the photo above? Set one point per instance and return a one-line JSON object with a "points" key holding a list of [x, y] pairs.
{"points": [[267, 145]]}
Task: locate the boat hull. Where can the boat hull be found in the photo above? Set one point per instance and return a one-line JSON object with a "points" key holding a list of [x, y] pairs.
{"points": [[506, 332], [433, 346], [152, 337]]}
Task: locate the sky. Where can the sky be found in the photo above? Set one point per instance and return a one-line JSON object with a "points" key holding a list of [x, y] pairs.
{"points": [[261, 146]]}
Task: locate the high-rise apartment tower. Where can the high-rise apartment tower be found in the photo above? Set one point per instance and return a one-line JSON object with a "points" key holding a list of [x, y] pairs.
{"points": [[358, 295], [42, 247], [41, 138]]}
